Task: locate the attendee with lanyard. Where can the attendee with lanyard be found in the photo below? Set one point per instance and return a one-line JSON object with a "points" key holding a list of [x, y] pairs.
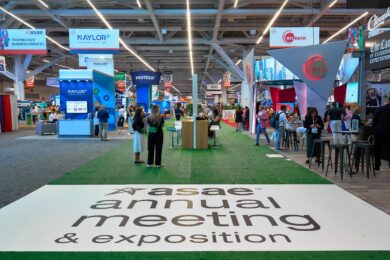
{"points": [[314, 125], [262, 122], [282, 124], [155, 137]]}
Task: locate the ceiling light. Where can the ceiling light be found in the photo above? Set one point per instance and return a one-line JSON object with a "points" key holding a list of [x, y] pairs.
{"points": [[120, 40], [43, 3], [271, 22], [333, 3], [235, 3], [189, 32], [139, 4], [238, 62], [32, 27], [346, 27], [219, 81]]}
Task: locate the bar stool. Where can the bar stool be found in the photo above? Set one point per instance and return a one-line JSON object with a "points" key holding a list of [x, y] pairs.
{"points": [[289, 140], [321, 143], [339, 155], [366, 152], [355, 155]]}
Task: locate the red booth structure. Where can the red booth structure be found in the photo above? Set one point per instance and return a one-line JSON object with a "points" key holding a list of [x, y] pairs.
{"points": [[8, 115], [340, 94], [282, 96]]}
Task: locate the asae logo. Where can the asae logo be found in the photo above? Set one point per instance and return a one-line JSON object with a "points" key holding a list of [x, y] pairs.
{"points": [[289, 37]]}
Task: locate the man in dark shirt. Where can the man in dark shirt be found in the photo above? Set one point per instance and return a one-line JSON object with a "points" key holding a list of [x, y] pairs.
{"points": [[103, 116], [381, 125], [335, 117], [178, 112]]}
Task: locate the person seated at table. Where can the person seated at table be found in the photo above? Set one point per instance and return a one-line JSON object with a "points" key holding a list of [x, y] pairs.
{"points": [[53, 117], [314, 125], [292, 125], [214, 120]]}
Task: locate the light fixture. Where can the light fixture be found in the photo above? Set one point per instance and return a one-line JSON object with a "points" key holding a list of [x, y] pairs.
{"points": [[219, 81], [271, 22], [345, 27], [333, 3], [32, 27], [43, 3], [235, 3], [238, 62], [99, 14], [139, 4], [189, 32]]}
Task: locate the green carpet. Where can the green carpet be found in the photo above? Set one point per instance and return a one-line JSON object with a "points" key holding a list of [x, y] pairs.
{"points": [[236, 160]]}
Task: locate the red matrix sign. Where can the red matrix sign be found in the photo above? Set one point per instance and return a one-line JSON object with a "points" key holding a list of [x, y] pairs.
{"points": [[315, 67]]}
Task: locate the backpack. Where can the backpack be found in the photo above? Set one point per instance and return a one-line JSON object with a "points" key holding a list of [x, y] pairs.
{"points": [[274, 122]]}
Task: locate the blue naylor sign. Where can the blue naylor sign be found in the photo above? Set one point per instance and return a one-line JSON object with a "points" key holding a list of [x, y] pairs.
{"points": [[76, 98], [93, 41], [145, 78]]}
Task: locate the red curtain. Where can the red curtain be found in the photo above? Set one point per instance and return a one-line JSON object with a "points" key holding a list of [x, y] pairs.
{"points": [[282, 96], [7, 114], [339, 94]]}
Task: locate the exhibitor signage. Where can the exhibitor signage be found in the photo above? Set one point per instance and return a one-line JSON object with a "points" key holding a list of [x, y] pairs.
{"points": [[282, 37], [213, 87], [168, 79], [145, 78], [93, 41], [378, 51], [83, 58], [3, 64], [377, 21], [23, 41], [315, 67], [192, 218]]}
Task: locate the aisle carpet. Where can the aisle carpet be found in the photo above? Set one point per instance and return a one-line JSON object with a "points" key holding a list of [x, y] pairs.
{"points": [[234, 161]]}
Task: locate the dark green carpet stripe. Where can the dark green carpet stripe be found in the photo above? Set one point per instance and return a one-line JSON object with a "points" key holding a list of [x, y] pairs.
{"points": [[235, 161]]}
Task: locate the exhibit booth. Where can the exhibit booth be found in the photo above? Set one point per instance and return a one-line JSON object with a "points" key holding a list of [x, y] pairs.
{"points": [[143, 80], [80, 92]]}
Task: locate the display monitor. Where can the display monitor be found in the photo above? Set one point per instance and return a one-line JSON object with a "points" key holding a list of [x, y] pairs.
{"points": [[76, 107], [270, 69], [352, 92]]}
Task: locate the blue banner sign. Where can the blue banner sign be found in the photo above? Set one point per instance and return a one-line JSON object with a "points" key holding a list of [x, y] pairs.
{"points": [[73, 94], [93, 41], [145, 78]]}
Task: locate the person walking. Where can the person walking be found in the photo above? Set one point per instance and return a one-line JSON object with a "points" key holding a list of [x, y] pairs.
{"points": [[282, 120], [103, 116], [96, 121], [155, 137], [335, 118], [262, 122], [381, 126], [238, 116], [314, 125], [178, 112], [246, 119], [139, 131], [121, 120]]}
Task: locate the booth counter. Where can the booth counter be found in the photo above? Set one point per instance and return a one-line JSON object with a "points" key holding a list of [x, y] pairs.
{"points": [[75, 127], [202, 127]]}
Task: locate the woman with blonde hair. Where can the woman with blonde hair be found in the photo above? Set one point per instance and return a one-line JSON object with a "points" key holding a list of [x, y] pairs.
{"points": [[155, 137]]}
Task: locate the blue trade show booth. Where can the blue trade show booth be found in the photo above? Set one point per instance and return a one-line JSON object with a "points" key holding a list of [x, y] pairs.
{"points": [[143, 80]]}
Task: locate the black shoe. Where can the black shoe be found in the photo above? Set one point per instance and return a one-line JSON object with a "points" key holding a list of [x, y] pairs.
{"points": [[256, 144], [307, 161]]}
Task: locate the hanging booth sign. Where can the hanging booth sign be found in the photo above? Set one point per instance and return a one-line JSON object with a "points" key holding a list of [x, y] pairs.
{"points": [[103, 65], [283, 37], [377, 21], [227, 80], [213, 87], [83, 58], [168, 79], [2, 64], [93, 41], [53, 82], [145, 78], [29, 82], [378, 51], [213, 92], [120, 81], [23, 41]]}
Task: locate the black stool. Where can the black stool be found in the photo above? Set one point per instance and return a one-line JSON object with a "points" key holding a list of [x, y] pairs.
{"points": [[289, 140], [366, 152], [355, 154], [322, 144], [339, 155]]}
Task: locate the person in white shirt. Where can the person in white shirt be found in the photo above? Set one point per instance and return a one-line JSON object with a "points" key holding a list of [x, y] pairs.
{"points": [[121, 114], [282, 124]]}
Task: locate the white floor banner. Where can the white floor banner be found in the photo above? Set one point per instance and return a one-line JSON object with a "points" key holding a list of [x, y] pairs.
{"points": [[192, 218]]}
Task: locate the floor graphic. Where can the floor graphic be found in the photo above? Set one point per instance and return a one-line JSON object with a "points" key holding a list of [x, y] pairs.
{"points": [[192, 218], [274, 155]]}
